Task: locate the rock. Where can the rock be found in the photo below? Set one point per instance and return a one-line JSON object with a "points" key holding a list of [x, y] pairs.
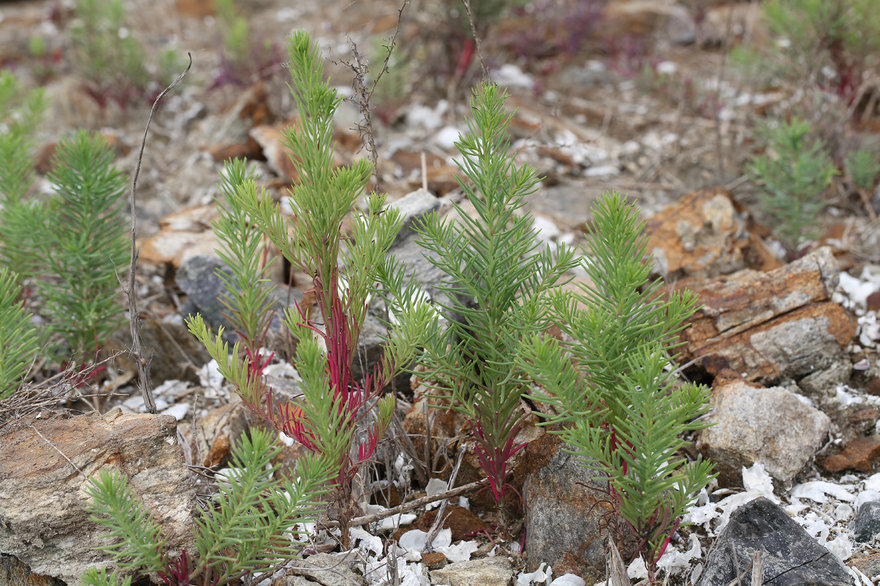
{"points": [[15, 573], [790, 556], [194, 8], [412, 207], [198, 278], [700, 235], [769, 425], [495, 570], [182, 235], [868, 564], [648, 18], [866, 525], [277, 154], [231, 136], [327, 569], [218, 430], [821, 385], [56, 538], [769, 325], [566, 513], [860, 454]]}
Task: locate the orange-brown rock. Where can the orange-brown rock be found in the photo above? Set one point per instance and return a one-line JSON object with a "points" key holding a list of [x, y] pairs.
{"points": [[860, 454], [767, 325], [47, 462], [702, 235], [232, 138]]}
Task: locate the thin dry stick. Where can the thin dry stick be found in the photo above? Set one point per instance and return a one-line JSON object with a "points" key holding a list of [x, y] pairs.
{"points": [[467, 7], [414, 504], [438, 520], [134, 316]]}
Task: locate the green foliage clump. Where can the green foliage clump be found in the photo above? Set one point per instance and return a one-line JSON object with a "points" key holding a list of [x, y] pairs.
{"points": [[497, 278], [793, 175], [83, 242], [21, 111], [843, 35], [612, 381], [863, 168], [18, 338], [335, 407], [110, 58], [247, 529]]}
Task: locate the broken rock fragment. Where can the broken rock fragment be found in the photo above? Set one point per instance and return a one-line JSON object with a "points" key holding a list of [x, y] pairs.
{"points": [[769, 425], [768, 325], [44, 465]]}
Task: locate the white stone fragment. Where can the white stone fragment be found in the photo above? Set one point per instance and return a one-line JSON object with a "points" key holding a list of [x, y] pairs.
{"points": [[819, 490], [178, 410]]}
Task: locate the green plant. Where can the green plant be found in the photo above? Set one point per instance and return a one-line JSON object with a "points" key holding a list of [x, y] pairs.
{"points": [[793, 174], [497, 278], [18, 338], [110, 58], [337, 416], [20, 113], [242, 58], [248, 528], [862, 167], [100, 577], [842, 36], [82, 241], [620, 406]]}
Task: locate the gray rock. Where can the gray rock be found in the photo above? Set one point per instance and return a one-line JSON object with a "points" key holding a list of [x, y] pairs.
{"points": [[866, 525], [327, 569], [43, 518], [565, 516], [786, 345], [768, 425], [822, 384], [790, 556], [412, 206], [496, 571]]}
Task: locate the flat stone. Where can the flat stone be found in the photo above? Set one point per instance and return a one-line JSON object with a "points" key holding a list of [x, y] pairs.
{"points": [[15, 573], [56, 538], [493, 570], [790, 556], [860, 454], [769, 425]]}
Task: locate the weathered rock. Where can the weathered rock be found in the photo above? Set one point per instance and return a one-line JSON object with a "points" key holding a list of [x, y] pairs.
{"points": [[868, 564], [565, 513], [413, 206], [231, 136], [218, 430], [493, 570], [790, 556], [271, 141], [700, 235], [15, 573], [645, 18], [327, 569], [43, 521], [182, 235], [860, 454], [768, 425], [866, 525], [766, 325], [198, 278]]}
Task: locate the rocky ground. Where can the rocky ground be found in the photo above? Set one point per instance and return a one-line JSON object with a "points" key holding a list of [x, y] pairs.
{"points": [[640, 97]]}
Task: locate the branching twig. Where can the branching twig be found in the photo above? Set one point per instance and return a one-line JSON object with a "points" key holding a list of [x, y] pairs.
{"points": [[134, 317], [363, 91], [467, 7]]}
